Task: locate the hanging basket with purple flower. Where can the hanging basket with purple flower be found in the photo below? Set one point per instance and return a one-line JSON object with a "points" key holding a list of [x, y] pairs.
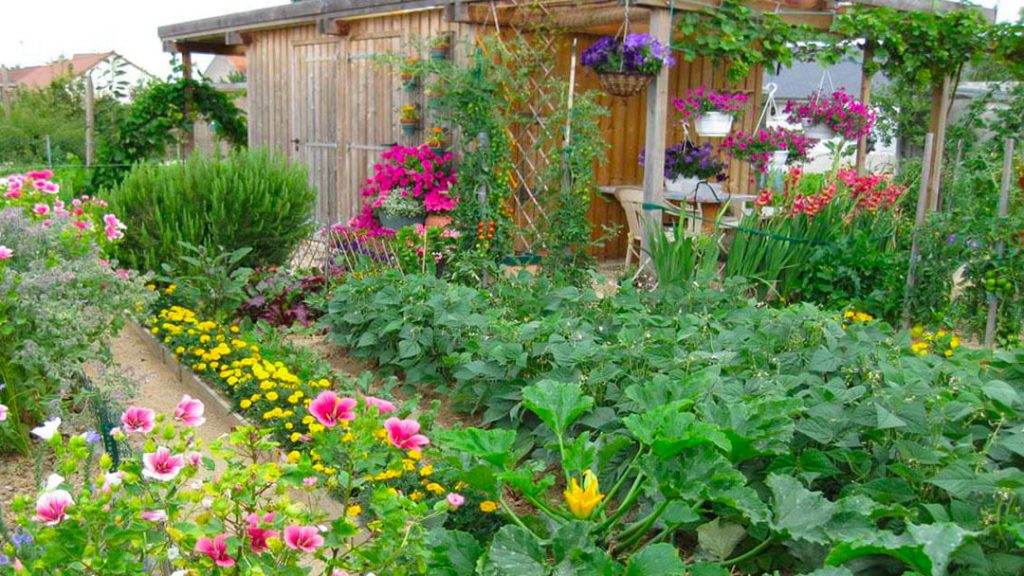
{"points": [[712, 111], [625, 65], [827, 115]]}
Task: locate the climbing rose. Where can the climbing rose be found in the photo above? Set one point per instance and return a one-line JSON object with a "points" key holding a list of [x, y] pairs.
{"points": [[305, 538], [137, 419], [216, 549], [329, 409], [190, 411], [404, 434]]}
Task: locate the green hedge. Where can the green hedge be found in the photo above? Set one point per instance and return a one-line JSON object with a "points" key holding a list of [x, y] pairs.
{"points": [[248, 199]]}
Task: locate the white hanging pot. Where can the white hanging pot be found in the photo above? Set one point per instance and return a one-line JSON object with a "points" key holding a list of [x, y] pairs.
{"points": [[820, 132], [713, 124], [682, 184], [778, 160]]}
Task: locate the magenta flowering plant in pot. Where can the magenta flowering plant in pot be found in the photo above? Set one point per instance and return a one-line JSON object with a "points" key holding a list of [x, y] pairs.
{"points": [[768, 148], [712, 111], [625, 65], [827, 115], [408, 184]]}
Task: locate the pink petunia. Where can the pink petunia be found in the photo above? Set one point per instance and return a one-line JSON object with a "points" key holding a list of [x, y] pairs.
{"points": [[404, 434], [329, 409], [305, 538], [154, 515], [216, 549], [51, 507], [162, 465], [382, 405], [190, 411], [136, 419]]}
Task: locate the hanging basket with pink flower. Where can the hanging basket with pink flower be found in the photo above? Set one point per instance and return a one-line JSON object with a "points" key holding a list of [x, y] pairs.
{"points": [[826, 116], [408, 184], [712, 111], [768, 148], [625, 65]]}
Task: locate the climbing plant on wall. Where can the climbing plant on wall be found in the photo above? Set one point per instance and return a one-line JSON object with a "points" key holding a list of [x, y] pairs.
{"points": [[158, 116]]}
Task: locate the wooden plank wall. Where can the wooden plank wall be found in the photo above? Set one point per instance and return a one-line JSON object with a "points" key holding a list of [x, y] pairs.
{"points": [[270, 61]]}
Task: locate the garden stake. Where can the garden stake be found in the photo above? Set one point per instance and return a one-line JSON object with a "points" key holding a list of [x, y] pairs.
{"points": [[1004, 201], [922, 210]]}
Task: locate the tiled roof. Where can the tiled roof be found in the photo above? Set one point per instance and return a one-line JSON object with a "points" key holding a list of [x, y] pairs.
{"points": [[40, 76]]}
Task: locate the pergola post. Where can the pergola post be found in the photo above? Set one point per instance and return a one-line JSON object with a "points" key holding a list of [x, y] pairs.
{"points": [[186, 72], [940, 114], [865, 98], [656, 132]]}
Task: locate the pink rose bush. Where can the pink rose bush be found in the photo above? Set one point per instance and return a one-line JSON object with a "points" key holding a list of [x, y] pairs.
{"points": [[180, 511], [839, 111], [418, 174]]}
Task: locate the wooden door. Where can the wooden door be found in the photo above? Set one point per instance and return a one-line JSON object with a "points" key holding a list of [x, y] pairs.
{"points": [[372, 98], [314, 122]]}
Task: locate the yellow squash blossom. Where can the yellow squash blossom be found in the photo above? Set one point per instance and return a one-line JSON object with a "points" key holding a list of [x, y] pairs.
{"points": [[582, 501]]}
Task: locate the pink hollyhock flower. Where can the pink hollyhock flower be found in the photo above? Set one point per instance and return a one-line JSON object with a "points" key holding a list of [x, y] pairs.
{"points": [[190, 411], [3, 412], [41, 209], [383, 406], [154, 515], [5, 252], [162, 465], [404, 434], [216, 549], [305, 538], [329, 409], [136, 419], [51, 507], [455, 500]]}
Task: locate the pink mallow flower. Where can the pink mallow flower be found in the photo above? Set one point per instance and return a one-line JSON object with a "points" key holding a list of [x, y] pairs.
{"points": [[404, 434], [305, 538], [455, 500], [329, 409], [259, 536], [383, 406], [190, 411], [3, 412], [41, 209], [52, 506], [162, 465], [154, 515], [136, 419], [216, 549], [5, 252]]}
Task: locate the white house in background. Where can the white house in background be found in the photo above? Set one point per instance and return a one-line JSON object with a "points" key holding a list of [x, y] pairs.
{"points": [[111, 73], [798, 82], [225, 69]]}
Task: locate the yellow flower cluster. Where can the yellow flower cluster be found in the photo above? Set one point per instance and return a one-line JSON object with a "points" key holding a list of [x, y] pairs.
{"points": [[854, 316], [940, 342]]}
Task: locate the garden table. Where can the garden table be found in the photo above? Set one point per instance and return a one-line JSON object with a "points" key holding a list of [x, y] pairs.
{"points": [[709, 203]]}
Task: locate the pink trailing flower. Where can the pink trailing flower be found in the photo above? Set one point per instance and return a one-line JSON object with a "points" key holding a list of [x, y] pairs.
{"points": [[839, 111], [154, 515], [329, 409], [162, 465], [138, 420], [190, 411], [52, 506], [701, 100], [216, 550], [258, 536], [455, 500], [305, 538], [383, 406], [5, 252], [414, 172], [404, 434]]}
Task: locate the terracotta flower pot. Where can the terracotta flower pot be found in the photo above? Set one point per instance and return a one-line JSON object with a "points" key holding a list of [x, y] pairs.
{"points": [[438, 220]]}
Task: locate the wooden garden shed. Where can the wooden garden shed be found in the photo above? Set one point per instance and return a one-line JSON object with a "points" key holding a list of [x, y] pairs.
{"points": [[317, 94]]}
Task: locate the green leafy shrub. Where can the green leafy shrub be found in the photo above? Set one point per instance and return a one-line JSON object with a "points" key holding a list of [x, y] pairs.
{"points": [[249, 199]]}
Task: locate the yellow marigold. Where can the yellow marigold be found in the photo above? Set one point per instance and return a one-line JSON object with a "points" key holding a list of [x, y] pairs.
{"points": [[234, 329], [435, 488], [179, 350], [408, 465], [295, 437], [294, 456], [427, 470], [488, 506], [204, 339], [954, 342], [151, 287], [348, 437], [415, 454], [288, 426], [353, 511], [948, 353], [201, 367], [416, 496], [272, 396], [154, 330], [245, 404]]}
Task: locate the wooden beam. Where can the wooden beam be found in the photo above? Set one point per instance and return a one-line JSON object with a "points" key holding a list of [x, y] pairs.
{"points": [[865, 98], [186, 71], [237, 38], [253, 19], [656, 129], [939, 121], [205, 48], [333, 27], [90, 120]]}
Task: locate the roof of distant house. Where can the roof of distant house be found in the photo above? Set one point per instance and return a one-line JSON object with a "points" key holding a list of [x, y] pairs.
{"points": [[803, 78], [45, 74]]}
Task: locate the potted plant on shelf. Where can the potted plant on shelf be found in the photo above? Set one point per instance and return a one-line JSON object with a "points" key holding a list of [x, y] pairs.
{"points": [[712, 111], [826, 115], [768, 148], [410, 185], [687, 166], [410, 119], [440, 46], [624, 66], [438, 140], [410, 75]]}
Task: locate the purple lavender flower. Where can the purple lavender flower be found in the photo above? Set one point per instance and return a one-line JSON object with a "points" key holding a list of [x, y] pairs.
{"points": [[950, 239]]}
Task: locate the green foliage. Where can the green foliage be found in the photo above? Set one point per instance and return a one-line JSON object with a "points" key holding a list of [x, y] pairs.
{"points": [[679, 260], [249, 199], [156, 119], [735, 34], [210, 282]]}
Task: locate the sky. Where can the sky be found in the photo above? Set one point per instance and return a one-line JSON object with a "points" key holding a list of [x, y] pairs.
{"points": [[39, 31]]}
